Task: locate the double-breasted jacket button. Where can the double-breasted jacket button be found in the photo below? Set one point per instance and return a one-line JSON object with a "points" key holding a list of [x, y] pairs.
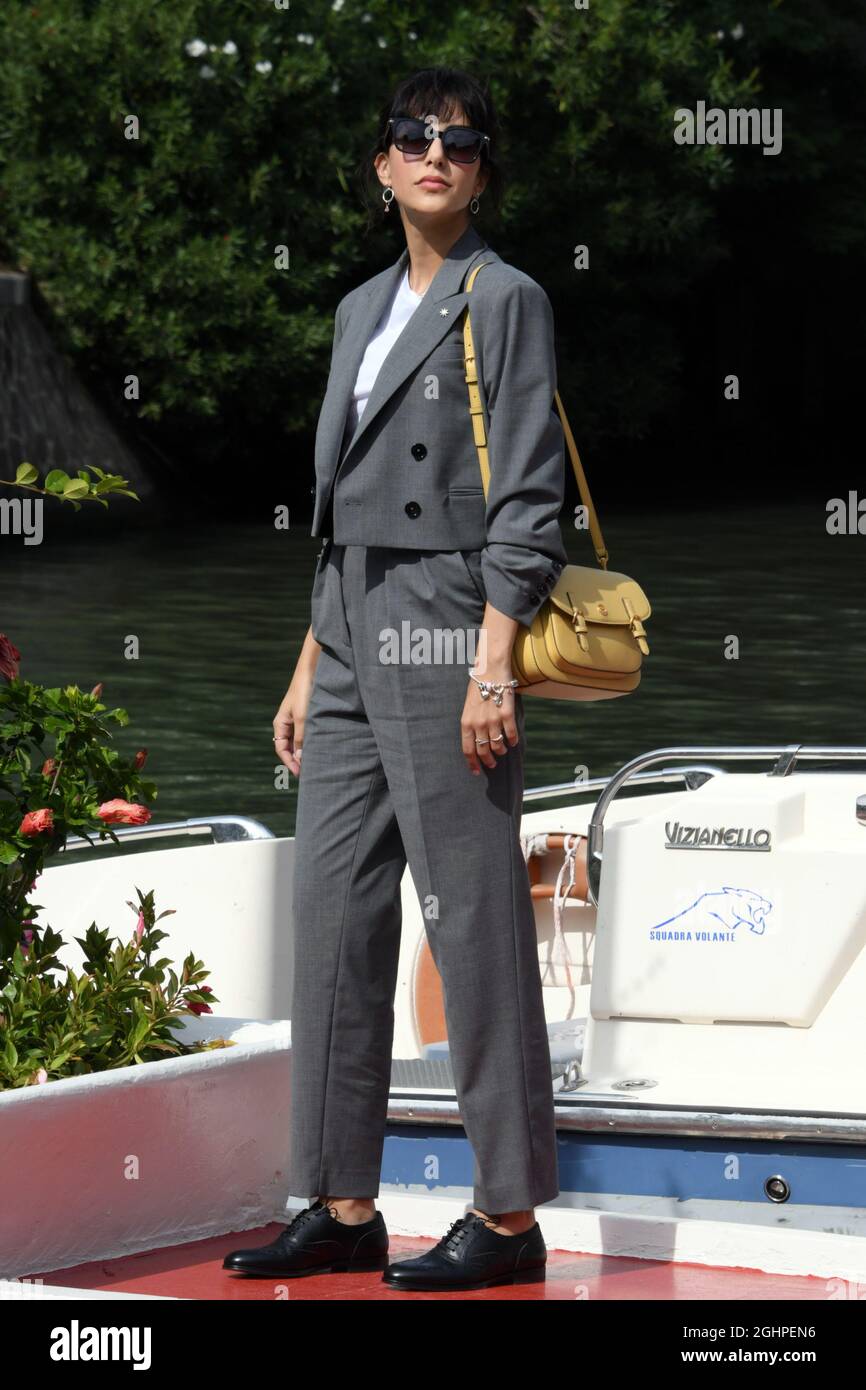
{"points": [[412, 509], [419, 451]]}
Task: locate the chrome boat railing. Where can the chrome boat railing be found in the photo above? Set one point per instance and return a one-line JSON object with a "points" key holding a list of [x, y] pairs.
{"points": [[224, 829]]}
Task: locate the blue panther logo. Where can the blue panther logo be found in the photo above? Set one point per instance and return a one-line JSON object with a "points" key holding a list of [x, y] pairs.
{"points": [[729, 908]]}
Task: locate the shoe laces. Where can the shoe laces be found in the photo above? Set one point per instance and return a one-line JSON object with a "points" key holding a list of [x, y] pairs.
{"points": [[300, 1217], [459, 1229]]}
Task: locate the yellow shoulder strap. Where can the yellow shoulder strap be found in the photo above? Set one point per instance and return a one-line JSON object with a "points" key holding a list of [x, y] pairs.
{"points": [[476, 410]]}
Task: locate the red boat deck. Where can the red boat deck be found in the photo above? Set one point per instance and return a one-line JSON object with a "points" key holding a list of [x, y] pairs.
{"points": [[194, 1271]]}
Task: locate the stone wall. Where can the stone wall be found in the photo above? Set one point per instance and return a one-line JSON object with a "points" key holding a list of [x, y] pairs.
{"points": [[47, 417]]}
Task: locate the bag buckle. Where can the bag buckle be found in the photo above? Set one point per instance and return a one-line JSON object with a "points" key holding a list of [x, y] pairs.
{"points": [[637, 628], [578, 622]]}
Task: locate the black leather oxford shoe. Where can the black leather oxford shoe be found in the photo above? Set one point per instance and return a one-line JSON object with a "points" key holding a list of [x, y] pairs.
{"points": [[472, 1256], [315, 1241]]}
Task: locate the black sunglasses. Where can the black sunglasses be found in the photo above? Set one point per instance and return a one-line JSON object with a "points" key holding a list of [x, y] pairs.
{"points": [[461, 144]]}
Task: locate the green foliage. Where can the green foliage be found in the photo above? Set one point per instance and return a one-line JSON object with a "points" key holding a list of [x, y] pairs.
{"points": [[118, 1012], [55, 755], [159, 252], [82, 488], [60, 776]]}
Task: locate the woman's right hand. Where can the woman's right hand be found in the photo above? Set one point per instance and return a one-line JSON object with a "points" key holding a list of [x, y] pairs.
{"points": [[291, 716]]}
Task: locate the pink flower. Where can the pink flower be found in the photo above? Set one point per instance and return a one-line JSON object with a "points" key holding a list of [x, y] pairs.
{"points": [[201, 1008], [140, 759], [97, 690], [36, 821], [41, 1076], [27, 940], [139, 929], [49, 767], [9, 658], [119, 812]]}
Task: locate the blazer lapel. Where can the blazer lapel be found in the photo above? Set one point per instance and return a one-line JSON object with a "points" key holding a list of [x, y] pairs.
{"points": [[347, 360], [441, 305]]}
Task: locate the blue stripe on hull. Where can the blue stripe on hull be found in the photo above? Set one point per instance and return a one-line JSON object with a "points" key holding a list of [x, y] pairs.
{"points": [[682, 1168]]}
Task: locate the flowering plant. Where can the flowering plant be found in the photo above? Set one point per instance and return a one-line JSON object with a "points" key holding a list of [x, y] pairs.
{"points": [[60, 776], [119, 1012]]}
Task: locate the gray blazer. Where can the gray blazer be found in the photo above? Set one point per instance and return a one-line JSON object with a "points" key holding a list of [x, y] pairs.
{"points": [[408, 475]]}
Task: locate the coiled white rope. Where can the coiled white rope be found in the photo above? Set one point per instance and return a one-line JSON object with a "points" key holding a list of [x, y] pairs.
{"points": [[537, 844]]}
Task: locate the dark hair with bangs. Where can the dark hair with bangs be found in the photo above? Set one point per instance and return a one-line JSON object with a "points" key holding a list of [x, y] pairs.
{"points": [[436, 91]]}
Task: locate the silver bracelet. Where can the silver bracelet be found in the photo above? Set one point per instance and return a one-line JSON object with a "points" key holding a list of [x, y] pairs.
{"points": [[495, 688]]}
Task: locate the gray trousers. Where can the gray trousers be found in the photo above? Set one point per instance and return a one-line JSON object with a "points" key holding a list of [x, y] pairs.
{"points": [[384, 782]]}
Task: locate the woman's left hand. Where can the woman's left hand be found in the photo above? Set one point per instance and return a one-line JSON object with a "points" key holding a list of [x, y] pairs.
{"points": [[488, 730]]}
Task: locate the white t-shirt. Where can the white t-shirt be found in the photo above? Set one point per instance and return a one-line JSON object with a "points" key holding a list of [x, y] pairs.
{"points": [[397, 314]]}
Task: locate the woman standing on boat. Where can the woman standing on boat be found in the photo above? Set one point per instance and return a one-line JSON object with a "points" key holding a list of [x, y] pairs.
{"points": [[406, 760]]}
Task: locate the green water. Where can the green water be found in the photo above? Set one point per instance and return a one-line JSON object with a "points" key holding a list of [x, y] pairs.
{"points": [[220, 613]]}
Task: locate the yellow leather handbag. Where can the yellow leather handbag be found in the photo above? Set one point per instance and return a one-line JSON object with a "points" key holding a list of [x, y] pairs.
{"points": [[587, 640]]}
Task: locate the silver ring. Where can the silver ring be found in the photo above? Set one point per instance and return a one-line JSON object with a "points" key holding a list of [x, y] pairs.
{"points": [[479, 741], [497, 738]]}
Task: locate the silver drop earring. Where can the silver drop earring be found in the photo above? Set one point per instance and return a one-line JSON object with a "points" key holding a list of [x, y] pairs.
{"points": [[474, 205], [388, 197]]}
